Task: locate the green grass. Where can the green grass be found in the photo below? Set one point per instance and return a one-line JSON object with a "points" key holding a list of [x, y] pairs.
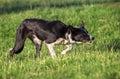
{"points": [[99, 60]]}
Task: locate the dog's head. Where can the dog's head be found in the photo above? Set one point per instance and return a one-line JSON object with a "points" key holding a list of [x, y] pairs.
{"points": [[80, 35]]}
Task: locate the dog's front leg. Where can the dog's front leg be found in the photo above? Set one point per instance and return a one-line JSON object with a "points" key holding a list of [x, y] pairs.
{"points": [[69, 47], [51, 49]]}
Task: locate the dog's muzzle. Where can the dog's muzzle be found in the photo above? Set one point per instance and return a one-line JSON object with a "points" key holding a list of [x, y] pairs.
{"points": [[91, 38]]}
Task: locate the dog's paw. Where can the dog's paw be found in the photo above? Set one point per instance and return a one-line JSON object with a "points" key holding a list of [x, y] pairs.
{"points": [[63, 52], [10, 49]]}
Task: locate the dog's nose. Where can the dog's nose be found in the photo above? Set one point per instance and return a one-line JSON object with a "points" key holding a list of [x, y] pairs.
{"points": [[93, 38]]}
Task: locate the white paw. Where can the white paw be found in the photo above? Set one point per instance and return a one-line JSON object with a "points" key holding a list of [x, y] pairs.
{"points": [[63, 52], [10, 49]]}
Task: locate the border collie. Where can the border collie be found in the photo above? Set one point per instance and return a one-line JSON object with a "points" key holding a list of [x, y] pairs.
{"points": [[50, 32]]}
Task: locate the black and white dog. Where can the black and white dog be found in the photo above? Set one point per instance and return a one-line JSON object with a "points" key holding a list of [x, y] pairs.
{"points": [[50, 32]]}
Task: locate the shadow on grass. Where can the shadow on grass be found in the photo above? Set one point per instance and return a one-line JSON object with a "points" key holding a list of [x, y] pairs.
{"points": [[111, 45], [22, 5], [17, 6], [114, 45]]}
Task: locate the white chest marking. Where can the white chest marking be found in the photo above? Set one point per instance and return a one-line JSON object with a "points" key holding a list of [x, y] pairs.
{"points": [[36, 40]]}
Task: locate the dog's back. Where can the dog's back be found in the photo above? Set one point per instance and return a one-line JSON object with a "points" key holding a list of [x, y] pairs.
{"points": [[42, 27]]}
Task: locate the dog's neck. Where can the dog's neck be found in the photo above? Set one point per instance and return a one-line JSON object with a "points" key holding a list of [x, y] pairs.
{"points": [[68, 36]]}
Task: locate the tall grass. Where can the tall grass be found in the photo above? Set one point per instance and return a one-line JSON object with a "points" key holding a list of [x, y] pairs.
{"points": [[7, 6], [99, 60]]}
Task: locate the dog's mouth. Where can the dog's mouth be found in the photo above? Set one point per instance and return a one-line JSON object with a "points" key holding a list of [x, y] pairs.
{"points": [[84, 41], [88, 41]]}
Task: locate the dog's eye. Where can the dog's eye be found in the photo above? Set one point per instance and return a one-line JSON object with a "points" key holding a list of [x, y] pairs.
{"points": [[84, 35]]}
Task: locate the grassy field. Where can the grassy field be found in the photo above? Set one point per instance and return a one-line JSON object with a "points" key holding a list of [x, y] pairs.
{"points": [[99, 60]]}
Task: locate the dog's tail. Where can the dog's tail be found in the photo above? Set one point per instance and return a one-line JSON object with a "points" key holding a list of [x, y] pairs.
{"points": [[21, 35]]}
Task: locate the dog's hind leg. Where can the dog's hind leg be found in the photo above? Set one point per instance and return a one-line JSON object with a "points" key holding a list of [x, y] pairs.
{"points": [[69, 47], [38, 44]]}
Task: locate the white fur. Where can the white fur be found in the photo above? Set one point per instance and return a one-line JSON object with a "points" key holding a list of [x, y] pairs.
{"points": [[68, 42], [91, 37], [36, 40], [51, 49], [61, 41], [69, 47], [71, 41]]}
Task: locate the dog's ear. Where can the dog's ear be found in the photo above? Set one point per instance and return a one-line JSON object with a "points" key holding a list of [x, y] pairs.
{"points": [[82, 25]]}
